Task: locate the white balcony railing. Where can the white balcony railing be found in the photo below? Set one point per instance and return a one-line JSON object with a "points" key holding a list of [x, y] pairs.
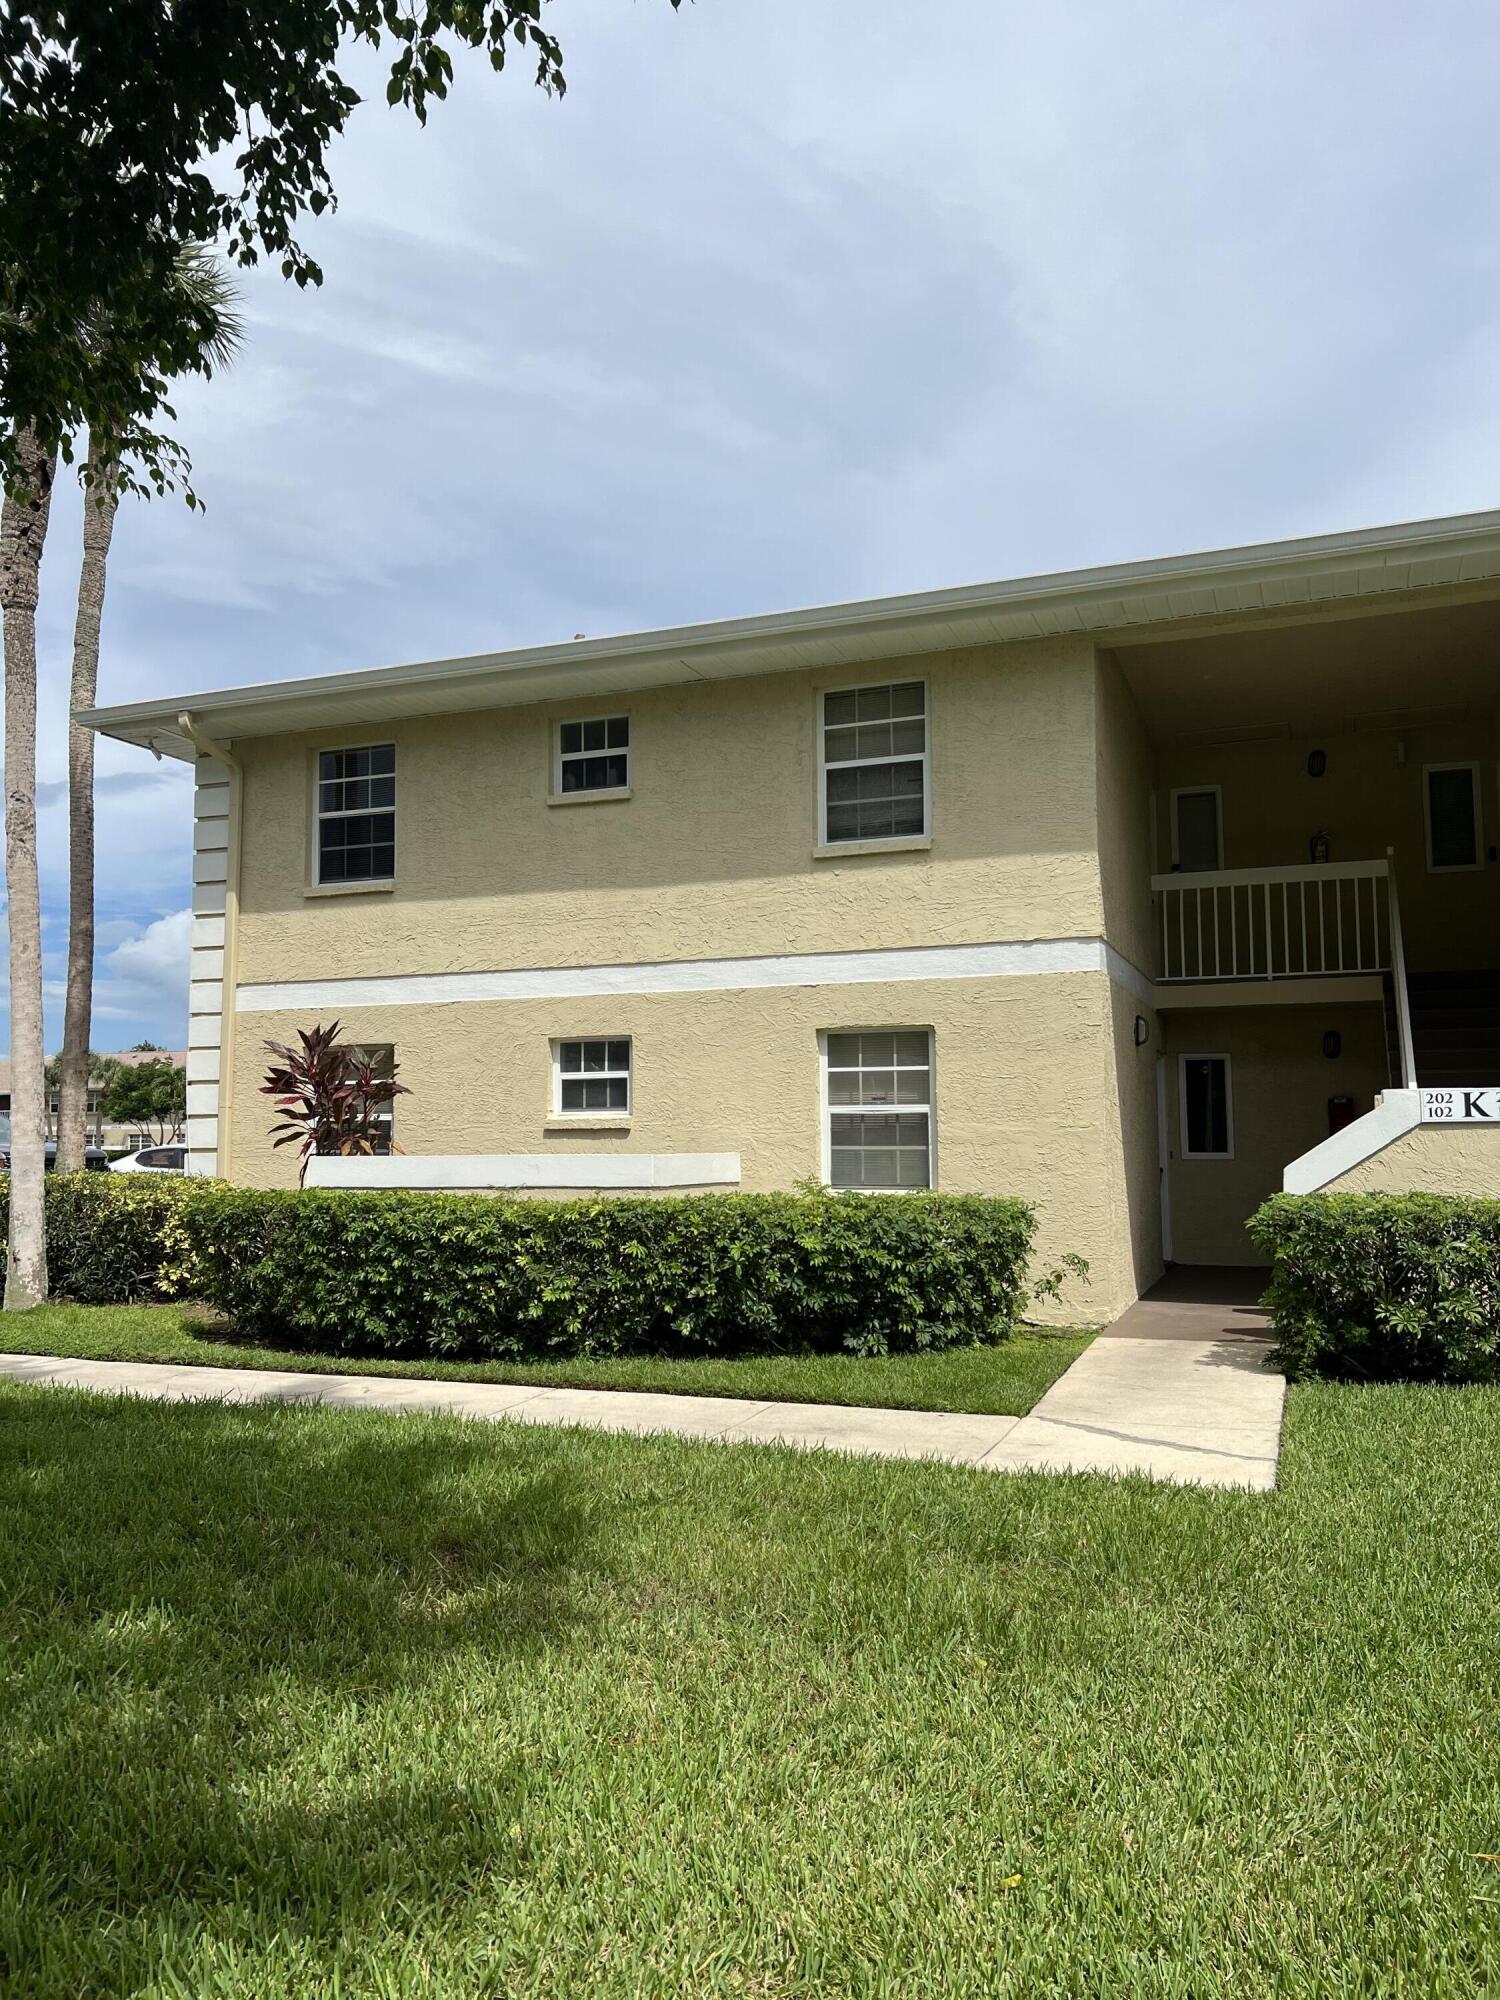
{"points": [[1275, 923]]}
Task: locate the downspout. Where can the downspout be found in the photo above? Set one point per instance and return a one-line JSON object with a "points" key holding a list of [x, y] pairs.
{"points": [[209, 746]]}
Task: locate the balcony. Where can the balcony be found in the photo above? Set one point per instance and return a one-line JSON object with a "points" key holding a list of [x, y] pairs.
{"points": [[1312, 922]]}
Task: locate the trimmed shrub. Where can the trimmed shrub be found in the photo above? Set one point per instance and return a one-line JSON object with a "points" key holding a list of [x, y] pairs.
{"points": [[468, 1276], [113, 1239], [1384, 1287]]}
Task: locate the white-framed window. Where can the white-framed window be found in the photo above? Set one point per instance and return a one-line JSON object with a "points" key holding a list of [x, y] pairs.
{"points": [[1451, 809], [873, 754], [1206, 1090], [878, 1108], [356, 815], [591, 1073], [1197, 828], [593, 756], [380, 1059]]}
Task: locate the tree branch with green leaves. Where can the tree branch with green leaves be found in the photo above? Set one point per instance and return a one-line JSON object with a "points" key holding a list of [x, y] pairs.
{"points": [[131, 127]]}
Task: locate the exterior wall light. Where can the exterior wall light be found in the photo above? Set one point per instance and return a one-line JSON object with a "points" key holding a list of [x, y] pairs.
{"points": [[1317, 763], [1142, 1031], [1333, 1044]]}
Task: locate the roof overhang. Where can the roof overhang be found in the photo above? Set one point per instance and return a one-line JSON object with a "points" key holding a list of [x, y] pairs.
{"points": [[1108, 603]]}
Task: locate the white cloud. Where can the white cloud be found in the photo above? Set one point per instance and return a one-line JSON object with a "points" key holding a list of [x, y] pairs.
{"points": [[156, 957]]}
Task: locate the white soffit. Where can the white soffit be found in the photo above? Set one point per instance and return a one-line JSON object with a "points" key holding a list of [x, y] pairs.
{"points": [[1104, 602]]}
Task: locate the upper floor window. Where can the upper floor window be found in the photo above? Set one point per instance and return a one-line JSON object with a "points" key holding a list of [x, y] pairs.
{"points": [[878, 1092], [593, 1075], [357, 814], [1197, 828], [1452, 810], [594, 756], [874, 753]]}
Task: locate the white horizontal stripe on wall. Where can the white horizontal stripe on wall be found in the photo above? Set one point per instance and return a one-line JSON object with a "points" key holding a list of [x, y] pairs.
{"points": [[479, 1171], [700, 975], [1123, 973]]}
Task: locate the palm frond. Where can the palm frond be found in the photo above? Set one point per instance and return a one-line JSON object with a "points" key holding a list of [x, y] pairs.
{"points": [[207, 288]]}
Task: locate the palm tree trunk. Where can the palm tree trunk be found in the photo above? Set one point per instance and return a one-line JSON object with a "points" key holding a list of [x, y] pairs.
{"points": [[23, 530], [100, 501]]}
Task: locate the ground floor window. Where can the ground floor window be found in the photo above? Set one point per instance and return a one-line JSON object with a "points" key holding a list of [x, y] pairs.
{"points": [[1207, 1108], [592, 1075], [878, 1093], [379, 1060]]}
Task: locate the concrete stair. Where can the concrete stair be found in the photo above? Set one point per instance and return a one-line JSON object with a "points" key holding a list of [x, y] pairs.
{"points": [[1455, 1027]]}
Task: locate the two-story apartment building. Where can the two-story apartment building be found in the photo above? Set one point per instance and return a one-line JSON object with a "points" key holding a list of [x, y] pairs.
{"points": [[1118, 889]]}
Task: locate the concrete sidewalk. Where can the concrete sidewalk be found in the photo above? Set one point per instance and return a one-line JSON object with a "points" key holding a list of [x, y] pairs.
{"points": [[1168, 1390], [1178, 1387]]}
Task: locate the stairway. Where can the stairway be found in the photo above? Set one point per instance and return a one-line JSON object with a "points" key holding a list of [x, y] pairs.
{"points": [[1455, 1027]]}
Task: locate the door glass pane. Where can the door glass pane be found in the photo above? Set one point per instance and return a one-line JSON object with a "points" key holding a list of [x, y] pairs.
{"points": [[1197, 831], [1205, 1083], [1450, 805]]}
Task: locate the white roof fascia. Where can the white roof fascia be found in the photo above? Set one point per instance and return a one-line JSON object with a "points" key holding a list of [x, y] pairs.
{"points": [[1264, 576]]}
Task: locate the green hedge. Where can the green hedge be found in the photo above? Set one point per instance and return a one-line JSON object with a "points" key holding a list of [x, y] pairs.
{"points": [[466, 1276], [113, 1239], [1384, 1287]]}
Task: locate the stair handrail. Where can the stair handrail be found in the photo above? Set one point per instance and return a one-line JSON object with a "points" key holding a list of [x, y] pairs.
{"points": [[1398, 980]]}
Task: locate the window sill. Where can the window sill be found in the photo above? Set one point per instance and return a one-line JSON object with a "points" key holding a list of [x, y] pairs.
{"points": [[587, 1121], [600, 798], [901, 843], [349, 888]]}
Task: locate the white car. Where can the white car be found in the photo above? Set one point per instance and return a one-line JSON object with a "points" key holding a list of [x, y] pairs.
{"points": [[152, 1160]]}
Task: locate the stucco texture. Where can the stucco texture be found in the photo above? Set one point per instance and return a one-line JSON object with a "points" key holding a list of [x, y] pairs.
{"points": [[1136, 1154], [712, 854], [1432, 1159], [1281, 1082], [1025, 1081], [1124, 772]]}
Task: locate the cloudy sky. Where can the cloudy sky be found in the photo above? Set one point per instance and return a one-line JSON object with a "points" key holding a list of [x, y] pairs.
{"points": [[790, 301]]}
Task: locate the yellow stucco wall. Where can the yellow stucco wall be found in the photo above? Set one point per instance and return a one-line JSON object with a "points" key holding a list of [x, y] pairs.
{"points": [[1135, 1153], [1124, 774], [1124, 764], [1370, 798], [1026, 1085], [1281, 1082], [1433, 1159], [712, 855]]}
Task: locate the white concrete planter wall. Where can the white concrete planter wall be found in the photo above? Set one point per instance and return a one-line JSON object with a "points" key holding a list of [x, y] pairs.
{"points": [[494, 1172]]}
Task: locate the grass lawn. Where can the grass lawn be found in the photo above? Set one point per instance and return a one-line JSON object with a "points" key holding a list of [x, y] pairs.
{"points": [[994, 1381], [302, 1701]]}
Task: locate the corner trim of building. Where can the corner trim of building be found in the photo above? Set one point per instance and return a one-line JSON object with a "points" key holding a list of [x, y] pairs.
{"points": [[217, 817]]}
